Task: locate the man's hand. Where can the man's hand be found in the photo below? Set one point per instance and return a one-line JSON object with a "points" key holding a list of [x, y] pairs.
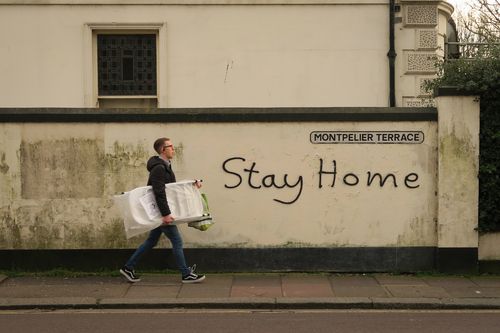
{"points": [[197, 183], [167, 219]]}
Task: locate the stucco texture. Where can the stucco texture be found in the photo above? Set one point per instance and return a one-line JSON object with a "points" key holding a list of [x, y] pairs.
{"points": [[262, 180]]}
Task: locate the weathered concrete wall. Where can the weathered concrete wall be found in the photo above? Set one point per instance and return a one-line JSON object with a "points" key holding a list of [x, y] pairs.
{"points": [[268, 183], [489, 248], [458, 171], [54, 191]]}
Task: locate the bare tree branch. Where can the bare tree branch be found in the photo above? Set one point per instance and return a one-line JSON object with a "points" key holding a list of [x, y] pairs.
{"points": [[478, 25]]}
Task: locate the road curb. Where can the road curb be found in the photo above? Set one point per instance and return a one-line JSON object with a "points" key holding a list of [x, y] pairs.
{"points": [[324, 303], [48, 303], [189, 303], [250, 303]]}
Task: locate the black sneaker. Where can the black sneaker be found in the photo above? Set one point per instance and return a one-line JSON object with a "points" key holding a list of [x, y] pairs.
{"points": [[192, 277], [129, 274]]}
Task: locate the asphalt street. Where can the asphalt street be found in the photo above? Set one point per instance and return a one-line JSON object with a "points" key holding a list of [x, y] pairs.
{"points": [[246, 321]]}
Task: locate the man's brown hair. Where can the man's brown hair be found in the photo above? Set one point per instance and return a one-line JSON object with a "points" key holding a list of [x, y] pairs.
{"points": [[159, 143]]}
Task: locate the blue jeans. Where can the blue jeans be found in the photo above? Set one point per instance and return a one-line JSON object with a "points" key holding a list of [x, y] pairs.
{"points": [[175, 238]]}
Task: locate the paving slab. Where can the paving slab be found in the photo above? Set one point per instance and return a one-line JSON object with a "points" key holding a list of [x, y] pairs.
{"points": [[43, 287], [408, 280], [487, 281], [488, 292], [211, 287], [139, 291], [475, 292], [256, 286], [70, 281], [357, 286], [64, 290], [306, 286], [354, 280], [403, 291], [165, 280], [154, 286], [460, 287], [449, 282]]}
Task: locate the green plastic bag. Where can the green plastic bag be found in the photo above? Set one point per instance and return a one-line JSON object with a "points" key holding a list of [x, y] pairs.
{"points": [[206, 220]]}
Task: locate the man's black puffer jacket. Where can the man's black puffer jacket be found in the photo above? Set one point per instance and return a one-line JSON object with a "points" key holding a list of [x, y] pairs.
{"points": [[159, 175]]}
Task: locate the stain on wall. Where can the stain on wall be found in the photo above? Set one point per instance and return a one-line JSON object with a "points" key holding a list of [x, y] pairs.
{"points": [[457, 150], [125, 167], [10, 230], [179, 152], [71, 168], [417, 231], [111, 235], [8, 181], [67, 188], [3, 165], [458, 154], [63, 224]]}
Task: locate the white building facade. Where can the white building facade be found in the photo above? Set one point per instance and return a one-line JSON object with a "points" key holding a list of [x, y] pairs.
{"points": [[216, 53]]}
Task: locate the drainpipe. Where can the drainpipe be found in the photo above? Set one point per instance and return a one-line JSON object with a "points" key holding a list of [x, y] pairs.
{"points": [[392, 55]]}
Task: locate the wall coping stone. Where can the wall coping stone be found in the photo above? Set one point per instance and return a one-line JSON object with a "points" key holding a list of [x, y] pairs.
{"points": [[451, 91], [178, 115]]}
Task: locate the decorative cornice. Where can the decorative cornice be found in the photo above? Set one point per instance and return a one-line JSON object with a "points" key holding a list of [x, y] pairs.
{"points": [[446, 8], [442, 5]]}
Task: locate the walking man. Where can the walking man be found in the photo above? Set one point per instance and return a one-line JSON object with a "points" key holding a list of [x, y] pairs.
{"points": [[160, 173]]}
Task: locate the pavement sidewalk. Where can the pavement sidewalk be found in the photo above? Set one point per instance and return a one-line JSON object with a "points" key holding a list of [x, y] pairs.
{"points": [[253, 291]]}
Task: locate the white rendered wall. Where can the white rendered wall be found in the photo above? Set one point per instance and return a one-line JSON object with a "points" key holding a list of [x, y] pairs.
{"points": [[58, 181], [241, 55]]}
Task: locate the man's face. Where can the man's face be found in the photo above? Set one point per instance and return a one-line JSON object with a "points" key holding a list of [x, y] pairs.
{"points": [[168, 149]]}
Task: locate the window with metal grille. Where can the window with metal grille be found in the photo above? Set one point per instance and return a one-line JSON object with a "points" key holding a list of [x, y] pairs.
{"points": [[126, 64]]}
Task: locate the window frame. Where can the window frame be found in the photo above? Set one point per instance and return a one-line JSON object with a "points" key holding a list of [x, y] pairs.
{"points": [[91, 95]]}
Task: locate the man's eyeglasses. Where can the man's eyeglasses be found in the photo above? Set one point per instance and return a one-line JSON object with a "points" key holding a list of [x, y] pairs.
{"points": [[165, 147]]}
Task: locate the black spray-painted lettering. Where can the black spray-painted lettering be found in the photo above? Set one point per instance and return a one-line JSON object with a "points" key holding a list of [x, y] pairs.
{"points": [[414, 178], [352, 179], [266, 181], [321, 173], [353, 182], [234, 167], [381, 180], [233, 173]]}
